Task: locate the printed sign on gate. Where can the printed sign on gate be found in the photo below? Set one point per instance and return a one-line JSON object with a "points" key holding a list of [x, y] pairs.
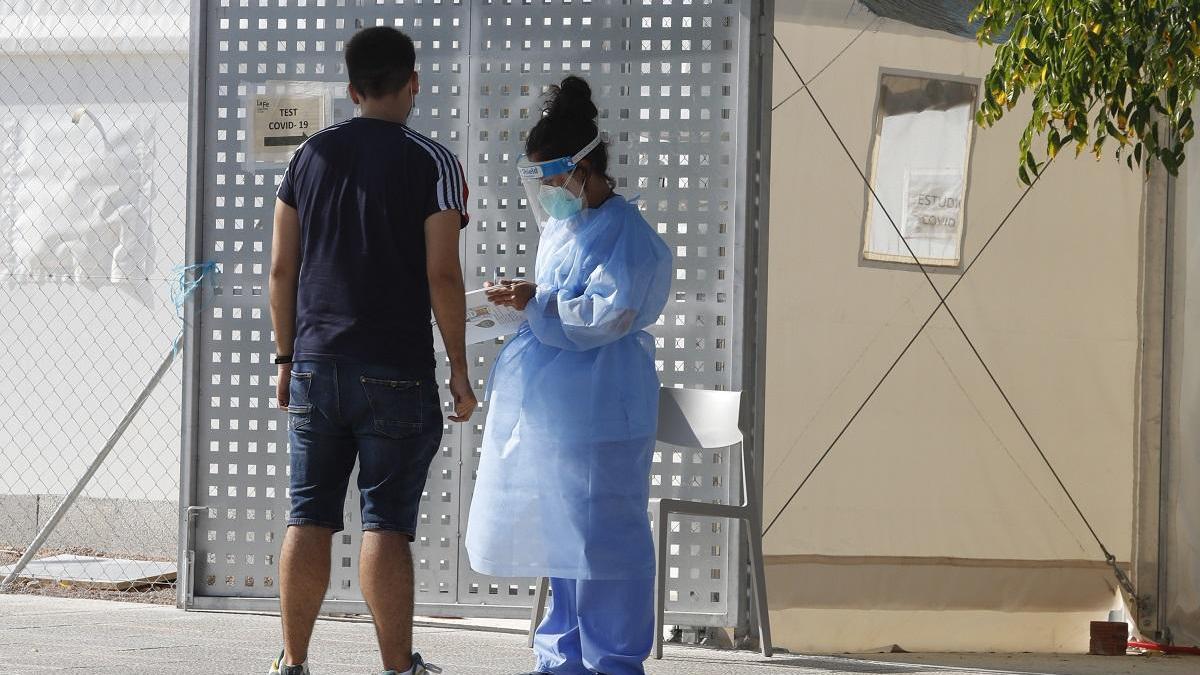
{"points": [[286, 116]]}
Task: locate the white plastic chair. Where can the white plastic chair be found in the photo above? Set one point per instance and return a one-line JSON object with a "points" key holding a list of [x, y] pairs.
{"points": [[704, 419]]}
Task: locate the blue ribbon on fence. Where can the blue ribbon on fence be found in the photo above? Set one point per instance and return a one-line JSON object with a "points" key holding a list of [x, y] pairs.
{"points": [[186, 280]]}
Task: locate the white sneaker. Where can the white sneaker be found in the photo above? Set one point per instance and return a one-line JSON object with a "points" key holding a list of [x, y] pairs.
{"points": [[278, 668], [419, 667]]}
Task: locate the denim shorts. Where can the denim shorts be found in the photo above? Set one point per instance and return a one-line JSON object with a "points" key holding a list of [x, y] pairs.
{"points": [[389, 421]]}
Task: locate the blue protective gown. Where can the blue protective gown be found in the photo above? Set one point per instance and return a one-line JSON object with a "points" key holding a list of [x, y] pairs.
{"points": [[563, 479], [596, 627]]}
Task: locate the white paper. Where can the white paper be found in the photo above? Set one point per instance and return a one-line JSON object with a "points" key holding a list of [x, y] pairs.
{"points": [[933, 140], [933, 200], [485, 321], [284, 115]]}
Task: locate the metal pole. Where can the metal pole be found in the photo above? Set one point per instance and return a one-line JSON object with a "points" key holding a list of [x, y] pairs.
{"points": [[45, 532], [193, 248], [754, 324], [1167, 427], [1153, 400]]}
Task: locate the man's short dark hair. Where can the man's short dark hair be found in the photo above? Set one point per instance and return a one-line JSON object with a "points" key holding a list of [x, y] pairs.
{"points": [[380, 61]]}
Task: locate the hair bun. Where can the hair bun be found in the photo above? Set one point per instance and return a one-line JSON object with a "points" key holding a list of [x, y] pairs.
{"points": [[571, 99]]}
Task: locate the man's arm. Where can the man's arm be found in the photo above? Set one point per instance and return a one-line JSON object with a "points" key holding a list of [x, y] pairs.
{"points": [[448, 296], [284, 280]]}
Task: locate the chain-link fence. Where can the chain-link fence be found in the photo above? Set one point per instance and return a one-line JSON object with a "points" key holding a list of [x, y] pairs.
{"points": [[93, 145]]}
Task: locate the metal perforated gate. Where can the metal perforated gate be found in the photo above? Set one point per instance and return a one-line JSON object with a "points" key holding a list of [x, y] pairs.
{"points": [[671, 79]]}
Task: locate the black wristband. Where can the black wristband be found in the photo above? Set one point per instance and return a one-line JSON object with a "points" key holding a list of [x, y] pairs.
{"points": [[282, 360]]}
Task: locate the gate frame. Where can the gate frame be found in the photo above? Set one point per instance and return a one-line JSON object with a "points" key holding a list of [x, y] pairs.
{"points": [[756, 30], [755, 212], [193, 249]]}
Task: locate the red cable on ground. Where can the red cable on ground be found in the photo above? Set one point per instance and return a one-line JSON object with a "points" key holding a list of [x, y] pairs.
{"points": [[1166, 649]]}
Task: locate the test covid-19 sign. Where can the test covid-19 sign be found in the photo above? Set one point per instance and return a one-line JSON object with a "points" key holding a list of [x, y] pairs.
{"points": [[284, 115]]}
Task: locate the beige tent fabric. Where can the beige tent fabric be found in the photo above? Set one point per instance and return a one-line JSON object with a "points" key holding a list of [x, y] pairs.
{"points": [[1181, 531], [884, 583], [856, 630], [935, 485]]}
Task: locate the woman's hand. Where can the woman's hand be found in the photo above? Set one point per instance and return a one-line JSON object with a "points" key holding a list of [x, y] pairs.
{"points": [[510, 293]]}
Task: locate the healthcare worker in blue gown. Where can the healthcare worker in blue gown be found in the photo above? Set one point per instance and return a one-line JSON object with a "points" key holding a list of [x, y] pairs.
{"points": [[563, 480]]}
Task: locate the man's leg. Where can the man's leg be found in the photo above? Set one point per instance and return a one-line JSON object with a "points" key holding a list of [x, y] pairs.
{"points": [[385, 573], [398, 430], [321, 456], [303, 578]]}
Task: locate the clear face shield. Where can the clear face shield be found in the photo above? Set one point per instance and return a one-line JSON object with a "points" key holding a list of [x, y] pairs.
{"points": [[547, 200]]}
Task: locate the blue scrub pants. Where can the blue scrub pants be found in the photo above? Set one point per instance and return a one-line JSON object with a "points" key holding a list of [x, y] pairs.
{"points": [[596, 626]]}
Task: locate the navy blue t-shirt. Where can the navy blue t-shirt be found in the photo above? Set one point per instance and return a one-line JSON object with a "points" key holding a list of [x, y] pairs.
{"points": [[363, 189]]}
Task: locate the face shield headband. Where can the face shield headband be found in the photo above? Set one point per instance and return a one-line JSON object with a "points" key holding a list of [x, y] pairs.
{"points": [[547, 201]]}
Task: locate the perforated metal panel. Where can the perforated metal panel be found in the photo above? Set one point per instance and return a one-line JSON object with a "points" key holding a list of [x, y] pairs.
{"points": [[669, 77]]}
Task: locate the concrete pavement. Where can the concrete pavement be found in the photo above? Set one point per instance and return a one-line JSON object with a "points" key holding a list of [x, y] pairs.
{"points": [[43, 635]]}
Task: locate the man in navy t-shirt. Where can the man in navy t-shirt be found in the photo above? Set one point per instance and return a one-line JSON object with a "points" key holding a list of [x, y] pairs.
{"points": [[365, 246]]}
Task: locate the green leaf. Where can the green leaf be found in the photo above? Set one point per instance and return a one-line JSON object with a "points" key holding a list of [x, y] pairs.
{"points": [[1095, 70], [1031, 162], [1053, 143]]}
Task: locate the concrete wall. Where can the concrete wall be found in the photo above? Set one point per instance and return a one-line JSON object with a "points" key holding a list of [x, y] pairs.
{"points": [[934, 524], [118, 527]]}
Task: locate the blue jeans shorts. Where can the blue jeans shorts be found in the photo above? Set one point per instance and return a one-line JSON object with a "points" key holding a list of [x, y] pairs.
{"points": [[391, 422]]}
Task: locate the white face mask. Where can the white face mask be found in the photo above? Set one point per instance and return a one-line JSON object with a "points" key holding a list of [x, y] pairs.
{"points": [[551, 202], [559, 202]]}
